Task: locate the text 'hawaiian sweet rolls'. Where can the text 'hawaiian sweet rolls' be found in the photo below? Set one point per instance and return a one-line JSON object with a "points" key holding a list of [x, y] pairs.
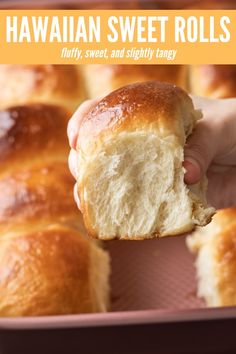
{"points": [[130, 174]]}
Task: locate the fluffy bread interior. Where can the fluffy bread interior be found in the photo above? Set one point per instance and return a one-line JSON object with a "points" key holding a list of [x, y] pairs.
{"points": [[141, 187], [201, 242], [214, 246]]}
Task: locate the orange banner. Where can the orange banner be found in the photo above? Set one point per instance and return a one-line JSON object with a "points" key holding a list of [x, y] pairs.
{"points": [[118, 36]]}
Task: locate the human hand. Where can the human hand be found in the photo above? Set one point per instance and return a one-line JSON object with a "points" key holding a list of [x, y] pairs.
{"points": [[72, 132], [211, 149]]}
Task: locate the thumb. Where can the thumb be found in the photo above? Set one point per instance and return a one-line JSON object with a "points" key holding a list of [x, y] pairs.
{"points": [[199, 151]]}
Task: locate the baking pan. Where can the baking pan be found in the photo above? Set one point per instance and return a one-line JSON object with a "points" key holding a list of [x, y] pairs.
{"points": [[154, 304], [154, 310]]}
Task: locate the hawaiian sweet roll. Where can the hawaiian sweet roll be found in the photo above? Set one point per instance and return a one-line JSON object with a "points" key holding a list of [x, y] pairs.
{"points": [[210, 5], [51, 270], [214, 81], [215, 248], [48, 266], [102, 79], [55, 84], [130, 174]]}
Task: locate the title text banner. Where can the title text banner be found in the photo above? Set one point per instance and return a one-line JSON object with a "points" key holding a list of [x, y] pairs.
{"points": [[118, 36]]}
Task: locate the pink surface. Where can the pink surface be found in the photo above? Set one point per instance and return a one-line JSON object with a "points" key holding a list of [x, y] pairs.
{"points": [[153, 274], [152, 281]]}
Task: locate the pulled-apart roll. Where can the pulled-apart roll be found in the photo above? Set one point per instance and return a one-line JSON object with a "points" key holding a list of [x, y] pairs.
{"points": [[103, 79], [55, 84], [215, 248], [47, 266], [130, 173]]}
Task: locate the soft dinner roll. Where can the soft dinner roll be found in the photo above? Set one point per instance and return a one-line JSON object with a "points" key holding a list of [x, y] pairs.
{"points": [[130, 174], [210, 4], [75, 5], [102, 79], [51, 270], [47, 264], [215, 81], [215, 247], [29, 133], [56, 84], [166, 4]]}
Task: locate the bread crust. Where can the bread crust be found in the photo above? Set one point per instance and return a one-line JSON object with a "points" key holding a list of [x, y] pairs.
{"points": [[103, 79], [35, 194], [150, 106], [215, 81], [47, 262], [55, 84], [212, 4], [46, 272], [32, 133]]}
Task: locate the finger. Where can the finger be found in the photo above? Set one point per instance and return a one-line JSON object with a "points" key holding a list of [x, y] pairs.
{"points": [[213, 139], [76, 119], [214, 110], [193, 170], [202, 102], [77, 200], [199, 151], [221, 191], [72, 161]]}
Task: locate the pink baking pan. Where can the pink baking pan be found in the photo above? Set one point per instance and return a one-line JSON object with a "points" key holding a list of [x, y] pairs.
{"points": [[154, 310]]}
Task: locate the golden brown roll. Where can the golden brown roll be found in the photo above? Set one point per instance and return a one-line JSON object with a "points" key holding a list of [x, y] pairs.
{"points": [[35, 193], [47, 264], [30, 133], [215, 81], [51, 270], [215, 249], [102, 79], [130, 175], [210, 4], [74, 5], [166, 4], [55, 84], [34, 176]]}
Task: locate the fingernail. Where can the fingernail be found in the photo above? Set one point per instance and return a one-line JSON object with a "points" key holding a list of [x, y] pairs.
{"points": [[76, 196], [192, 174], [72, 139]]}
